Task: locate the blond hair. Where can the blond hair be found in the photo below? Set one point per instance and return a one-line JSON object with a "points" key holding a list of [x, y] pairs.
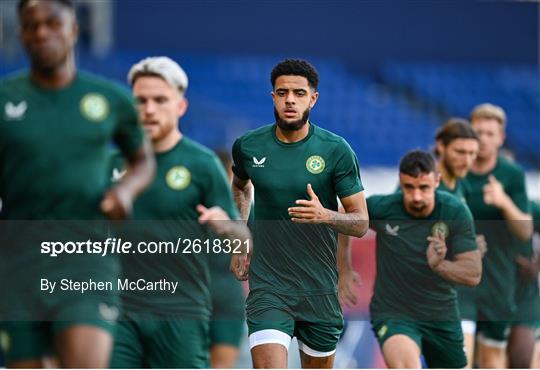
{"points": [[489, 111]]}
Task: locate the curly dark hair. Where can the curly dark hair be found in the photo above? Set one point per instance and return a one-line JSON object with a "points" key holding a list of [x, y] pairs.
{"points": [[295, 67], [416, 163]]}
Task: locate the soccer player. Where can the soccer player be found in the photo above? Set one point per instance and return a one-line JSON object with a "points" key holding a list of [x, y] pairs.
{"points": [[297, 170], [521, 341], [498, 202], [456, 150], [55, 129], [425, 244], [171, 329]]}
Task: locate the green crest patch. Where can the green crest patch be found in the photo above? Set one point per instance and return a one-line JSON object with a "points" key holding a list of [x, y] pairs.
{"points": [[94, 107], [178, 178], [440, 228], [315, 164]]}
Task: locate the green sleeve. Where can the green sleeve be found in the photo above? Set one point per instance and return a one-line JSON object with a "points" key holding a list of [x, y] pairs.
{"points": [[517, 191], [129, 133], [462, 232], [347, 172], [372, 205], [238, 162], [218, 190]]}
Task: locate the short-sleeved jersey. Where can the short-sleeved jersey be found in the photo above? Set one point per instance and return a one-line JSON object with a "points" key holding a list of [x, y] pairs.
{"points": [[461, 190], [187, 175], [405, 286], [54, 145], [291, 258], [499, 272]]}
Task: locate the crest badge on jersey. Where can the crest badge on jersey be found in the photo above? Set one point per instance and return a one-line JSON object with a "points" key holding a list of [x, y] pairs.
{"points": [[94, 107], [440, 227], [178, 178], [382, 331], [315, 164]]}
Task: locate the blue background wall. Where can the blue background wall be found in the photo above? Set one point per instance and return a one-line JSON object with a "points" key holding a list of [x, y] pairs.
{"points": [[363, 33]]}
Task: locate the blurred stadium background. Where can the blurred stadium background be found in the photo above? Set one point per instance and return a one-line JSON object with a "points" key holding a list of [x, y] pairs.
{"points": [[391, 72]]}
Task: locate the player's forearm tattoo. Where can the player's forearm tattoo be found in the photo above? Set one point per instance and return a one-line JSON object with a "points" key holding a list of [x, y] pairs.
{"points": [[242, 198], [353, 223]]}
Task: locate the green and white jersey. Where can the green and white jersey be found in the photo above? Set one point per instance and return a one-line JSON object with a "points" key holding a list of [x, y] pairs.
{"points": [[187, 175], [405, 286], [291, 258], [54, 145], [499, 267]]}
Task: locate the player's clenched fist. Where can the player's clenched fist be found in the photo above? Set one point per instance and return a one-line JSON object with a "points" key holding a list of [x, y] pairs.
{"points": [[436, 251]]}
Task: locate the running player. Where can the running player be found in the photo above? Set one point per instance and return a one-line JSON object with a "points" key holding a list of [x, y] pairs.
{"points": [[171, 329], [498, 202], [425, 244], [55, 129], [298, 170], [456, 150]]}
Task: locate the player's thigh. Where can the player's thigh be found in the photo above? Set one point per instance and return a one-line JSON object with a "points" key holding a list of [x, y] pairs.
{"points": [[442, 345], [536, 358], [128, 347], [521, 343], [316, 362], [400, 342], [84, 345], [25, 343], [179, 344], [223, 356]]}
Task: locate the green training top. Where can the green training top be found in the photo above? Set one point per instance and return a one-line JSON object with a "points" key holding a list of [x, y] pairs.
{"points": [[405, 286], [461, 190], [54, 145], [187, 175], [291, 258], [499, 268]]}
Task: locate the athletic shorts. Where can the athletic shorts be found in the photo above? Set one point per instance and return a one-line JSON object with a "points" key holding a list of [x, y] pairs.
{"points": [[316, 320], [27, 340], [528, 303], [142, 343], [228, 310], [492, 324], [441, 342]]}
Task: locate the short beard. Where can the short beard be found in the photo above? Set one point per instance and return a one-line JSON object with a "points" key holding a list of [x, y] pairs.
{"points": [[294, 125], [449, 168]]}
